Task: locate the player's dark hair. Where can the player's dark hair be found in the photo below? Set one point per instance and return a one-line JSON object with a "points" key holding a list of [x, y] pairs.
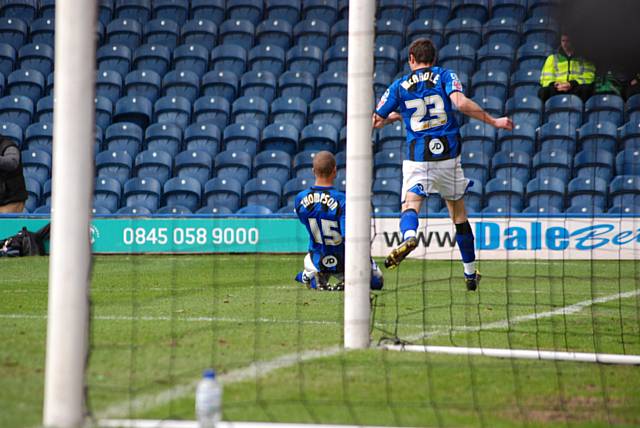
{"points": [[423, 50], [323, 164]]}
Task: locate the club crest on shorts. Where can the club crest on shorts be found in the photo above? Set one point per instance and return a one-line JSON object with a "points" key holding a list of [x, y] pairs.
{"points": [[436, 146]]}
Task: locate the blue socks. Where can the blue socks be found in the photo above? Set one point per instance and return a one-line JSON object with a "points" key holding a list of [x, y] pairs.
{"points": [[408, 224], [465, 240]]}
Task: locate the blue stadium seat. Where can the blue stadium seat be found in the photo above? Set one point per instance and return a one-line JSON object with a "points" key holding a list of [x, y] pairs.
{"points": [[251, 10], [116, 58], [531, 56], [594, 163], [281, 137], [299, 84], [558, 135], [213, 10], [100, 33], [263, 191], [142, 192], [553, 163], [201, 32], [289, 110], [498, 206], [521, 139], [47, 8], [38, 136], [233, 163], [505, 194], [328, 110], [490, 82], [386, 192], [184, 191], [172, 110], [36, 56], [502, 30], [152, 57], [398, 10], [341, 162], [250, 109], [476, 163], [587, 208], [133, 211], [143, 83], [269, 58], [472, 9], [214, 210], [194, 164], [496, 56], [238, 32], [486, 147], [624, 191], [275, 32], [478, 131], [191, 57], [285, 10], [212, 110], [222, 84], [463, 31], [542, 210], [323, 10], [431, 29], [13, 132], [22, 9], [139, 10], [99, 137], [165, 137], [50, 82], [588, 191], [335, 58], [628, 162], [182, 83], [526, 109], [312, 32], [598, 136], [541, 29], [632, 108], [392, 137], [332, 84], [294, 186], [254, 210], [114, 164], [630, 135], [433, 204], [433, 9], [138, 110], [16, 109], [156, 164], [13, 31], [223, 192], [273, 164], [319, 136], [26, 82], [46, 193], [124, 137], [42, 31], [203, 136], [109, 84], [258, 84], [386, 59], [388, 164], [231, 58], [304, 58], [107, 193], [546, 194], [461, 58], [542, 7], [381, 82], [605, 108], [104, 111], [510, 165], [564, 108], [177, 10], [34, 190], [303, 164], [242, 137], [174, 210], [389, 32], [8, 57], [125, 32], [516, 9]]}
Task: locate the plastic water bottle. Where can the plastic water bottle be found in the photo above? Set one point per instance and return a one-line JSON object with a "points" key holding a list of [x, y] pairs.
{"points": [[208, 400]]}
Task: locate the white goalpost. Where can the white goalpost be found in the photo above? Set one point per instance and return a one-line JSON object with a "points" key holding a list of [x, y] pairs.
{"points": [[69, 267]]}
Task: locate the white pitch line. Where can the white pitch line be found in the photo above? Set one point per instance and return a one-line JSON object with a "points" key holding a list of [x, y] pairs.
{"points": [[261, 369]]}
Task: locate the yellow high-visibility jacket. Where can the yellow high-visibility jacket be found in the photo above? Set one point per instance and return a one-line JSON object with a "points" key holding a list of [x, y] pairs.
{"points": [[560, 68]]}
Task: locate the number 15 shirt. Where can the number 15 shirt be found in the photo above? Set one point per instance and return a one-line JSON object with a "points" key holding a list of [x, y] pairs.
{"points": [[422, 98]]}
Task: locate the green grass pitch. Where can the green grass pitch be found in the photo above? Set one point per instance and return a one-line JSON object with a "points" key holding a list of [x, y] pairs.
{"points": [[159, 320]]}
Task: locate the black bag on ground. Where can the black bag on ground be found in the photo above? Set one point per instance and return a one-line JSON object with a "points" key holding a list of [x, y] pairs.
{"points": [[25, 243]]}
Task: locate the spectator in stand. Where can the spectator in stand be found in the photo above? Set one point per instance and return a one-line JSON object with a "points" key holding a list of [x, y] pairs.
{"points": [[13, 192], [633, 88], [565, 73]]}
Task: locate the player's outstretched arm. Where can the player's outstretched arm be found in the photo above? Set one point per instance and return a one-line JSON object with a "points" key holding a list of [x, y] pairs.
{"points": [[472, 109], [379, 121]]}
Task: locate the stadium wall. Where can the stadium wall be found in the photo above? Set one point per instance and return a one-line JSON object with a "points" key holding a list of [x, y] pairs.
{"points": [[515, 237]]}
